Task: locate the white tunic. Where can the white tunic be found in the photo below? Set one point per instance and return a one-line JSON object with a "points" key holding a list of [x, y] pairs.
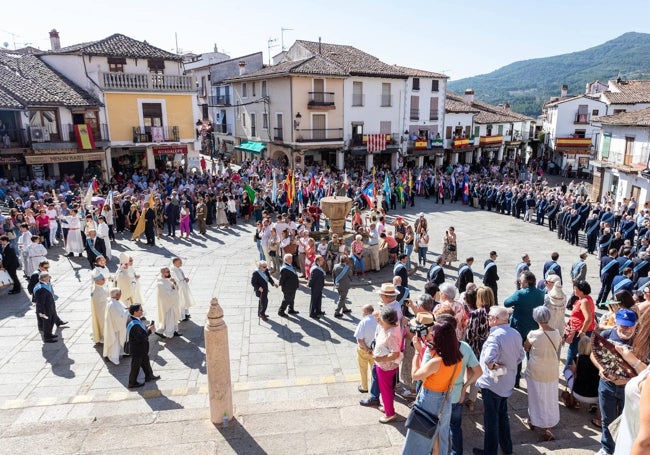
{"points": [[73, 243], [102, 233], [98, 299], [168, 307], [126, 283], [116, 317], [186, 300], [35, 255]]}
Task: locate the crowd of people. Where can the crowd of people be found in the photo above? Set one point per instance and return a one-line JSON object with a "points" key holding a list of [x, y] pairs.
{"points": [[406, 340]]}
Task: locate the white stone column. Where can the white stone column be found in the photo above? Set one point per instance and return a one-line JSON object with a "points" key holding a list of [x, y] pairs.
{"points": [[217, 359]]}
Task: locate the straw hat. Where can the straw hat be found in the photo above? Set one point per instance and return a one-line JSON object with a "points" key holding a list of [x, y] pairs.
{"points": [[388, 289]]}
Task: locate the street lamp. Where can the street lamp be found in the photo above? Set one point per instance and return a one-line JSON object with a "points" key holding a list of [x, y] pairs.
{"points": [[296, 122]]}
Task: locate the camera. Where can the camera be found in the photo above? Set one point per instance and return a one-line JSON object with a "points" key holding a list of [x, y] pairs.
{"points": [[420, 325], [419, 330]]}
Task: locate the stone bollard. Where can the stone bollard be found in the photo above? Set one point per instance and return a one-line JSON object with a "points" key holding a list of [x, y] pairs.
{"points": [[217, 358]]}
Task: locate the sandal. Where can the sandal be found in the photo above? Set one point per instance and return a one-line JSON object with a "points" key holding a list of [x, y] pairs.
{"points": [[597, 423], [528, 425], [593, 408], [548, 436]]}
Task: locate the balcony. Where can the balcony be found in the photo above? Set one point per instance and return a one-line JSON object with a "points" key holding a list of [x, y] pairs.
{"points": [[146, 82], [491, 141], [386, 100], [581, 119], [319, 135], [15, 138], [38, 136], [159, 134], [462, 142], [278, 134], [358, 99], [223, 128], [360, 140], [220, 100], [321, 100], [573, 145]]}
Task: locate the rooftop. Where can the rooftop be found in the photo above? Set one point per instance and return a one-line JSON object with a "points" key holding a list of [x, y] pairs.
{"points": [[628, 92], [311, 65], [487, 113], [26, 81], [413, 72], [634, 118]]}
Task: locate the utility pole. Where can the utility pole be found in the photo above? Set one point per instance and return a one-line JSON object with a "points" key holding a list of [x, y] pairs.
{"points": [[282, 30], [271, 44]]}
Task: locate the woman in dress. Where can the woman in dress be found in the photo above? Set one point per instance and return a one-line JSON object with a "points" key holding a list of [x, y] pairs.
{"points": [[581, 321], [159, 220], [222, 219], [103, 233], [449, 247], [184, 221], [438, 369], [477, 332], [541, 373], [120, 216], [132, 217], [274, 250], [409, 239], [387, 355], [245, 206], [357, 249]]}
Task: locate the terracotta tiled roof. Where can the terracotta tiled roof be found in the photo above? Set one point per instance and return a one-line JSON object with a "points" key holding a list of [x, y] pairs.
{"points": [[119, 45], [628, 92], [460, 107], [562, 99], [487, 113], [312, 65], [352, 60], [634, 118], [420, 73], [27, 81]]}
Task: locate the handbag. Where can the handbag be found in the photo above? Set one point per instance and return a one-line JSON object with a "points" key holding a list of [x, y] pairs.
{"points": [[451, 247], [423, 422]]}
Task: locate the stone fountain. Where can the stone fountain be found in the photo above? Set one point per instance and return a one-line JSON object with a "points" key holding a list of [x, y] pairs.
{"points": [[336, 208]]}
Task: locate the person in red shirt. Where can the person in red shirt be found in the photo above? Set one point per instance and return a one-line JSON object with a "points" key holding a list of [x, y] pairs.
{"points": [[315, 211], [392, 244], [43, 222]]}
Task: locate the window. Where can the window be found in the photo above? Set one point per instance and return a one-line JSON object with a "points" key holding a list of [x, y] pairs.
{"points": [[435, 85], [253, 129], [253, 88], [203, 86], [477, 131], [415, 108], [357, 93], [594, 112], [263, 88], [583, 116], [416, 83], [156, 65], [579, 133], [116, 64], [44, 122], [243, 119], [607, 140], [277, 132], [244, 90], [618, 111], [433, 108], [152, 115], [448, 131], [265, 121], [500, 130], [629, 151], [386, 100]]}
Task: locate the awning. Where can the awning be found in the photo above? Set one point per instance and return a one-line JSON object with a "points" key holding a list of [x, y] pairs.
{"points": [[252, 147]]}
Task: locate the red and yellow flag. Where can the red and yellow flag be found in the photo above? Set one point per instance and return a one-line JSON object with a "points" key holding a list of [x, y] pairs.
{"points": [[291, 187], [84, 137]]}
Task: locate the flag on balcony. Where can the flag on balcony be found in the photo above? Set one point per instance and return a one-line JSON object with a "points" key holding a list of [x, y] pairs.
{"points": [[376, 143], [157, 134], [84, 136]]}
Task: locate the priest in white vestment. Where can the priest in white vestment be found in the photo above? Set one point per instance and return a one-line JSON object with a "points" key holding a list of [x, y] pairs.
{"points": [[168, 305], [186, 300], [98, 300], [115, 320]]}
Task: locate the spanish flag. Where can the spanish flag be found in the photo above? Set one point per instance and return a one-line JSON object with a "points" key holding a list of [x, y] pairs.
{"points": [[291, 187], [139, 228], [84, 137]]}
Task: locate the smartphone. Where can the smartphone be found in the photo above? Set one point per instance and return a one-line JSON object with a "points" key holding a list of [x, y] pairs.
{"points": [[152, 322]]}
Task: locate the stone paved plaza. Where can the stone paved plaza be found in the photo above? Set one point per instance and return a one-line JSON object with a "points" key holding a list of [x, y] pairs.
{"points": [[294, 380]]}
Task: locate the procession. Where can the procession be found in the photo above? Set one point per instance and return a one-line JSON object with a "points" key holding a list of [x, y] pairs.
{"points": [[399, 340]]}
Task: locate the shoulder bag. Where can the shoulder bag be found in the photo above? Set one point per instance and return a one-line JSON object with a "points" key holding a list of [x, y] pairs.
{"points": [[422, 421]]}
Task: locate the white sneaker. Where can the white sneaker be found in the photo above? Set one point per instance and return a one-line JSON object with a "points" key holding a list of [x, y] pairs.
{"points": [[602, 452]]}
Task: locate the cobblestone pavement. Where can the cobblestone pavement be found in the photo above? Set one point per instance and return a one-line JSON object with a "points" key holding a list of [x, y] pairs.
{"points": [[294, 380]]}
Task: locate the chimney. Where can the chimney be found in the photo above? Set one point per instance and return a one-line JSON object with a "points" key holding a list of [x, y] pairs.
{"points": [[564, 91], [242, 67], [55, 43], [507, 107], [469, 96], [320, 49]]}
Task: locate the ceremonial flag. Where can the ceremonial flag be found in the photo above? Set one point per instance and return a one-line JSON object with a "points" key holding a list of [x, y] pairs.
{"points": [[288, 183], [376, 143], [465, 189], [312, 183], [250, 191], [400, 192], [274, 190], [368, 194], [345, 180], [139, 228], [84, 136], [320, 181], [418, 183], [387, 188], [88, 199]]}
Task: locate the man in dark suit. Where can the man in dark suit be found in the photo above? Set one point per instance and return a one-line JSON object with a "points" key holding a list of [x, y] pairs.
{"points": [[149, 224], [138, 338], [171, 216], [401, 270], [260, 281], [490, 275], [436, 273], [465, 274], [289, 283], [10, 263], [45, 308], [94, 247], [316, 283], [552, 265]]}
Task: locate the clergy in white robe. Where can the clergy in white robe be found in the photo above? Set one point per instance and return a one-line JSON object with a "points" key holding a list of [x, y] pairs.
{"points": [[102, 233], [168, 304], [24, 240], [98, 301], [73, 242], [116, 317], [36, 253], [186, 300], [124, 281], [137, 292], [101, 267]]}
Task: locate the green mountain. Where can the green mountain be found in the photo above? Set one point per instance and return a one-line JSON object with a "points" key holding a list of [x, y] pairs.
{"points": [[528, 84]]}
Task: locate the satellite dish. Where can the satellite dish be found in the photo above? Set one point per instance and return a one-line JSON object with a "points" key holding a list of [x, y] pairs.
{"points": [[5, 44]]}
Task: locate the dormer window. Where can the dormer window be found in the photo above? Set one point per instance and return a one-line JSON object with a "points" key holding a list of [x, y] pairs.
{"points": [[116, 64], [156, 65]]}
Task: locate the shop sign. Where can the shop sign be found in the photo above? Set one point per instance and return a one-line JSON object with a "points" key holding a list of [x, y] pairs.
{"points": [[70, 157], [11, 160], [169, 149], [39, 171]]}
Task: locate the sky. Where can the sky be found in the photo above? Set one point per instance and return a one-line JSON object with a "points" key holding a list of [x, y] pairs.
{"points": [[460, 39]]}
